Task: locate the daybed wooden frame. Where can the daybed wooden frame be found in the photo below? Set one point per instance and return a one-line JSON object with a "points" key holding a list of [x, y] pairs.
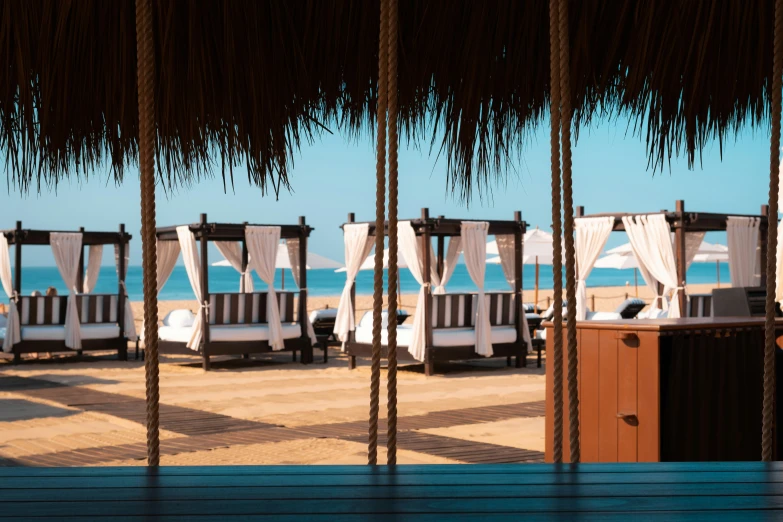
{"points": [[20, 237], [426, 228], [206, 232]]}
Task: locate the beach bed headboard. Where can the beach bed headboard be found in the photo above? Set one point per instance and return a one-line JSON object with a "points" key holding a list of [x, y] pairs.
{"points": [[50, 310], [249, 308], [459, 310]]}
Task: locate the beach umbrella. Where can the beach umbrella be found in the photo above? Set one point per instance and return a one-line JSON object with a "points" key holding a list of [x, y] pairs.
{"points": [[721, 254], [282, 261], [621, 262], [369, 264], [538, 250]]}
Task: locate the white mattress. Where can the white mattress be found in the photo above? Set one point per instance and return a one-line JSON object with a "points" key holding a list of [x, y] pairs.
{"points": [[57, 332], [440, 336], [234, 332]]}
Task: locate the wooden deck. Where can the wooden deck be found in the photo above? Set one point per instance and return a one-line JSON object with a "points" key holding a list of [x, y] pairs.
{"points": [[531, 492]]}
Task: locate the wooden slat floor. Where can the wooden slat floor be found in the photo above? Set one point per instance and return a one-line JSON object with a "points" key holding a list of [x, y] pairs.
{"points": [[502, 492], [204, 430]]}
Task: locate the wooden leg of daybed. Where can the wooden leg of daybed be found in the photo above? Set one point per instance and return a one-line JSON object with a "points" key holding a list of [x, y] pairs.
{"points": [[122, 353], [246, 356], [17, 358], [521, 361], [137, 349], [429, 368], [539, 357], [79, 353], [205, 364], [325, 347], [508, 361], [294, 355], [352, 362]]}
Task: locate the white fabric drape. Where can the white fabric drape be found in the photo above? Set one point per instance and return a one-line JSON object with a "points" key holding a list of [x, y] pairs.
{"points": [[168, 252], [505, 244], [693, 241], [651, 243], [188, 246], [358, 245], [743, 238], [591, 236], [262, 244], [95, 255], [13, 332], [129, 320], [449, 263], [410, 249], [474, 249], [292, 245], [67, 249], [232, 252]]}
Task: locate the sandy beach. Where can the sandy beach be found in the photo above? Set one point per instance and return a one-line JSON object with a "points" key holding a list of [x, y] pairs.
{"points": [[605, 299]]}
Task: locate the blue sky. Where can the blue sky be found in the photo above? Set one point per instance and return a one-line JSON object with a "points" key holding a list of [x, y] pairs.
{"points": [[335, 175]]}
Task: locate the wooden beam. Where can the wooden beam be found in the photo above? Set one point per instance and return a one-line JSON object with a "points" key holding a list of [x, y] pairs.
{"points": [[680, 254]]}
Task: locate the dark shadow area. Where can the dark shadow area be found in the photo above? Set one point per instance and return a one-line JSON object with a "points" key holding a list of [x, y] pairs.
{"points": [[20, 409]]}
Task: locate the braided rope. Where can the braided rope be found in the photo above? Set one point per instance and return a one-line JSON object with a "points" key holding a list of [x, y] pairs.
{"points": [[557, 269], [768, 411], [391, 385], [145, 63], [380, 203], [568, 215]]}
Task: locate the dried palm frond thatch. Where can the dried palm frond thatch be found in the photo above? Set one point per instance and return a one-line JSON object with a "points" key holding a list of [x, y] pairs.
{"points": [[246, 81]]}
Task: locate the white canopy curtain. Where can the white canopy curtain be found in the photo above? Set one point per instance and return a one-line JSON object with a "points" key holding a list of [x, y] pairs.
{"points": [[410, 249], [187, 244], [168, 252], [474, 249], [129, 320], [262, 244], [449, 263], [650, 238], [743, 238], [292, 245], [358, 245], [505, 243], [232, 252], [94, 258], [693, 241], [67, 249], [591, 235], [13, 332]]}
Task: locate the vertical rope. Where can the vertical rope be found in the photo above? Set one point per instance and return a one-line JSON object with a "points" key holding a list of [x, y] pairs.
{"points": [[380, 210], [568, 222], [557, 268], [391, 385], [145, 67], [768, 412]]}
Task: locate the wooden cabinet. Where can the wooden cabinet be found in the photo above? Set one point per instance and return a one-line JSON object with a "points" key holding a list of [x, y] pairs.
{"points": [[665, 390]]}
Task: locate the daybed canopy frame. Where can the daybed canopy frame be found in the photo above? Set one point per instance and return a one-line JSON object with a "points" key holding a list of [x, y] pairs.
{"points": [[680, 221], [19, 237], [204, 232], [440, 228]]}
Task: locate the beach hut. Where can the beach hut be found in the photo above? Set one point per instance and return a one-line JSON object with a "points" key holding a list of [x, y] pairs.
{"points": [[70, 92], [79, 321], [240, 323], [445, 326]]}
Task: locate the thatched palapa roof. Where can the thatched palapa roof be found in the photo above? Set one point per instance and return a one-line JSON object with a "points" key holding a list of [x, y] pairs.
{"points": [[248, 81]]}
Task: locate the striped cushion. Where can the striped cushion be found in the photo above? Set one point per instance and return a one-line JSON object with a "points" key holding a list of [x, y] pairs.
{"points": [[459, 310], [250, 308], [50, 310]]}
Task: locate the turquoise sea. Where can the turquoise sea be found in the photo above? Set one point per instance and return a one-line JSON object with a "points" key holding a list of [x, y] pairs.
{"points": [[329, 283]]}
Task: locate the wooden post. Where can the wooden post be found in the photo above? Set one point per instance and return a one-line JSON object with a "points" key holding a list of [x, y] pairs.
{"points": [[679, 240], [426, 248], [763, 242], [18, 238], [242, 286], [580, 211], [121, 286], [80, 273], [535, 296], [352, 360], [592, 302], [204, 290], [519, 309], [307, 355], [441, 246]]}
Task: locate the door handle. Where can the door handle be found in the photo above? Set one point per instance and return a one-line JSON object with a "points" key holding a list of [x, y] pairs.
{"points": [[630, 418]]}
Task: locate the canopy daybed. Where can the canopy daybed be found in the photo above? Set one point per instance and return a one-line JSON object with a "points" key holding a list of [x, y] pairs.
{"points": [[79, 321], [244, 322], [445, 327], [663, 263]]}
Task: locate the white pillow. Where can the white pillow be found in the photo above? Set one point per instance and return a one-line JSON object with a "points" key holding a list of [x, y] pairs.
{"points": [[603, 316], [179, 318]]}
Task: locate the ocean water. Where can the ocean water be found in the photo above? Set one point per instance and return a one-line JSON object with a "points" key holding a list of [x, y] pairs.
{"points": [[329, 283]]}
